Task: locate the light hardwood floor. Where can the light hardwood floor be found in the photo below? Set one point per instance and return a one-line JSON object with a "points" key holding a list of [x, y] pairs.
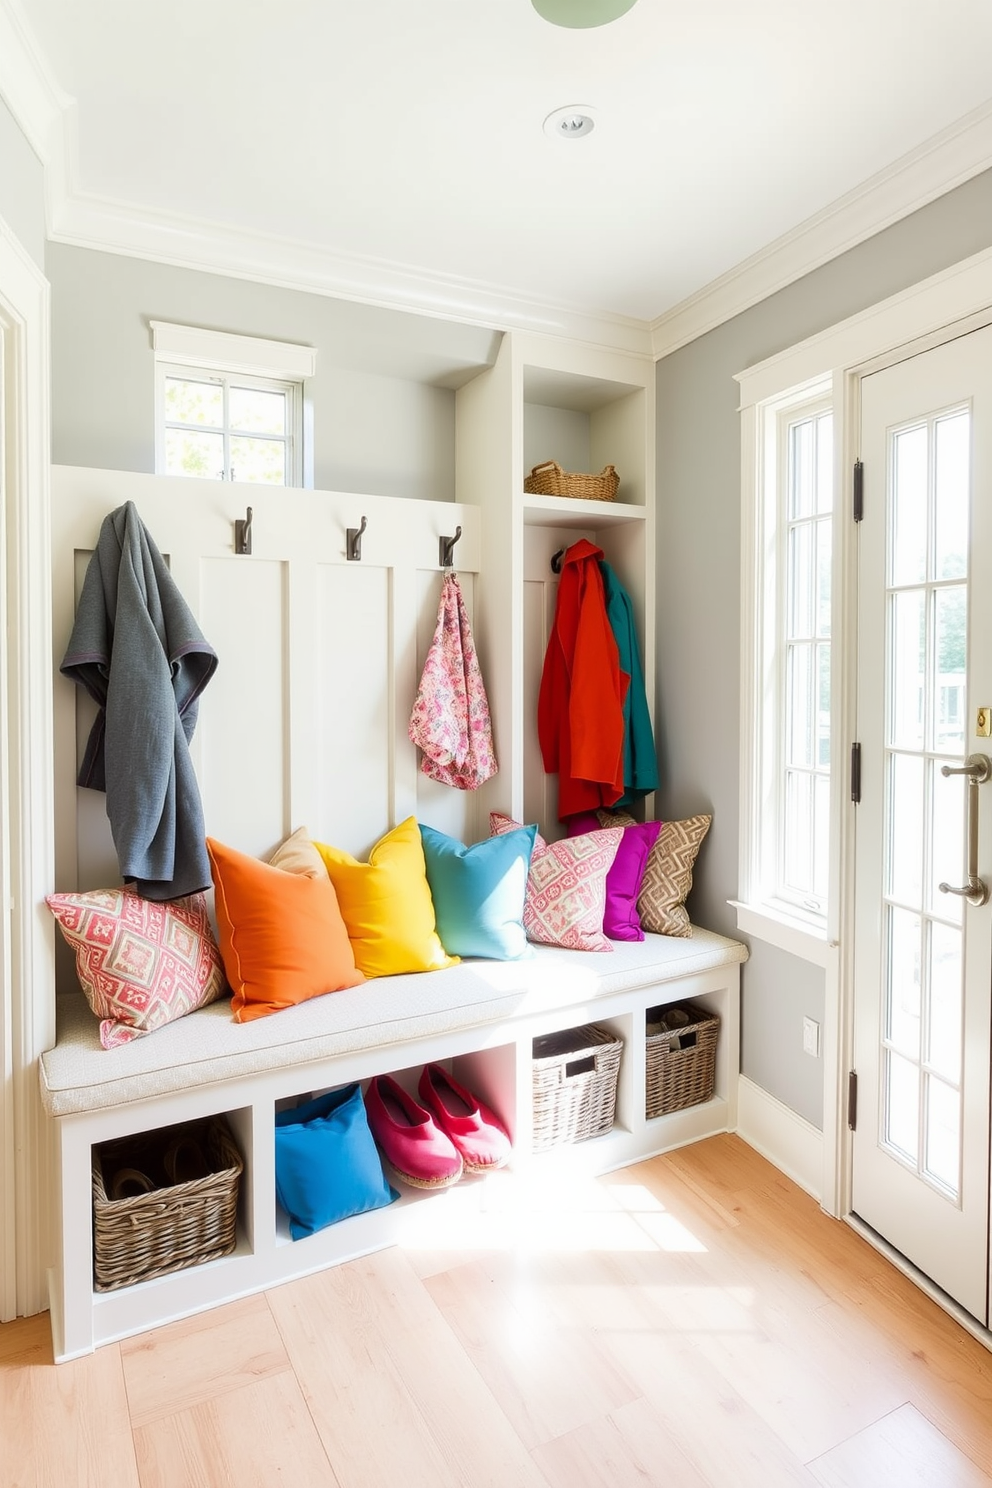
{"points": [[692, 1322]]}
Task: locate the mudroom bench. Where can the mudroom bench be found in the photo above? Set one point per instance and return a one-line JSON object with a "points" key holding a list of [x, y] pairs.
{"points": [[480, 1017]]}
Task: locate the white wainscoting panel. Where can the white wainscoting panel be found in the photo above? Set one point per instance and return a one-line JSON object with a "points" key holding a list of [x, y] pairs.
{"points": [[354, 706], [304, 722], [243, 723]]}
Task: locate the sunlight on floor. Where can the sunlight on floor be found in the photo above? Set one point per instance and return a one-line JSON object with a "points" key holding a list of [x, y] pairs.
{"points": [[542, 1213]]}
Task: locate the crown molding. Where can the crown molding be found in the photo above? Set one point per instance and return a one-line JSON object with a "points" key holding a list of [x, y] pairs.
{"points": [[47, 117], [27, 85], [86, 221], [946, 160]]}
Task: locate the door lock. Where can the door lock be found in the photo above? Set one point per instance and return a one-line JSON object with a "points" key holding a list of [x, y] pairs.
{"points": [[983, 723]]}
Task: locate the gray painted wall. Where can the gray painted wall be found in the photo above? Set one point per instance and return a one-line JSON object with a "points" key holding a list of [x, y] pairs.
{"points": [[699, 590], [22, 188], [382, 400]]}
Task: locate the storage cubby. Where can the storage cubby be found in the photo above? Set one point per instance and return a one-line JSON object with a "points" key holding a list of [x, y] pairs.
{"points": [[556, 991], [585, 422], [547, 399]]}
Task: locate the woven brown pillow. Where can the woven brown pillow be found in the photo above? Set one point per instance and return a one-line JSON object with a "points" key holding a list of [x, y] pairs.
{"points": [[668, 875]]}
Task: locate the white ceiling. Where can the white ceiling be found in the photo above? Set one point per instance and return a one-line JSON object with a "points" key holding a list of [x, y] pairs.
{"points": [[399, 143]]}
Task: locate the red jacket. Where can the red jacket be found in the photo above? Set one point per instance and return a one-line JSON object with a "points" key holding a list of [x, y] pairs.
{"points": [[580, 703]]}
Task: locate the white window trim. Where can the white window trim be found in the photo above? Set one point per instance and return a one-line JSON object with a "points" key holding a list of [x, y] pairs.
{"points": [[759, 911], [178, 347], [251, 355]]}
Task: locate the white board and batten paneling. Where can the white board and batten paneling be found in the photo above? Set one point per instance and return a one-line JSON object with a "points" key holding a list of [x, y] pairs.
{"points": [[304, 722]]}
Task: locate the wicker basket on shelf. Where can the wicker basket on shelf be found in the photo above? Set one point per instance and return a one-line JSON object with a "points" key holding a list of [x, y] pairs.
{"points": [[680, 1054], [575, 1085], [550, 480], [174, 1225]]}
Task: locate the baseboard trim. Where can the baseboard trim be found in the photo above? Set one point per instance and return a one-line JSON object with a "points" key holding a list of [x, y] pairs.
{"points": [[785, 1138]]}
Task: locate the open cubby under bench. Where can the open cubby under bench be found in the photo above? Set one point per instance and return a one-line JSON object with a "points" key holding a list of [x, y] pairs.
{"points": [[480, 1017]]}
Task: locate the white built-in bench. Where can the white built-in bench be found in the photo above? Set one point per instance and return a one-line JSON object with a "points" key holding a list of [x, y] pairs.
{"points": [[481, 1016]]}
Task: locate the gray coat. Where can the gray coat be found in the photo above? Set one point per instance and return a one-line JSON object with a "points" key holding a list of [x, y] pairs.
{"points": [[140, 654]]}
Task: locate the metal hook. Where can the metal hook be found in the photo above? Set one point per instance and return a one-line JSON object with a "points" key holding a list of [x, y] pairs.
{"points": [[556, 560], [446, 548], [354, 536], [242, 533]]}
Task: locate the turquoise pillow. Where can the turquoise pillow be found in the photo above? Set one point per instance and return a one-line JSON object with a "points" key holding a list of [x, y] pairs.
{"points": [[478, 892], [327, 1164]]}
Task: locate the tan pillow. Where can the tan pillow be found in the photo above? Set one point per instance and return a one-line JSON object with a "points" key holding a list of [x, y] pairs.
{"points": [[298, 855], [668, 875]]}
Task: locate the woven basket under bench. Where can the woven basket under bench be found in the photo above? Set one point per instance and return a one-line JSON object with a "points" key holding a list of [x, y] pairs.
{"points": [[173, 1226], [680, 1062], [575, 1085]]}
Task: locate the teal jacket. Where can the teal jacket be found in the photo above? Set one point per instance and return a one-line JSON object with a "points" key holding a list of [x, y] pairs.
{"points": [[640, 761]]}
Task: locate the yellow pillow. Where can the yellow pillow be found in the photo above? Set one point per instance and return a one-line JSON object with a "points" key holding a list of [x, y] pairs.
{"points": [[386, 904]]}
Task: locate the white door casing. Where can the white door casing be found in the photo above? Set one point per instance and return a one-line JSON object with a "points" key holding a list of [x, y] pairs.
{"points": [[27, 1024]]}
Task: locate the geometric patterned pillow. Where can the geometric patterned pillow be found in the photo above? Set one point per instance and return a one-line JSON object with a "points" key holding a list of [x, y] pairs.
{"points": [[668, 876], [141, 963], [566, 886]]}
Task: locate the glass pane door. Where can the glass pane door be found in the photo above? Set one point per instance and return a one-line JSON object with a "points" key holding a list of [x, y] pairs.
{"points": [[922, 956], [926, 603]]}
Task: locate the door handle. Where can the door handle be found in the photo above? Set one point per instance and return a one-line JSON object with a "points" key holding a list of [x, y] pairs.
{"points": [[977, 768]]}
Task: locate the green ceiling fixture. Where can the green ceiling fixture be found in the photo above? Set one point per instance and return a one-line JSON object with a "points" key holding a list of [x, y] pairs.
{"points": [[579, 14]]}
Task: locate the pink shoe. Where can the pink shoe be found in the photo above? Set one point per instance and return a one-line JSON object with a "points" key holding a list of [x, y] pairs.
{"points": [[478, 1134], [409, 1140]]}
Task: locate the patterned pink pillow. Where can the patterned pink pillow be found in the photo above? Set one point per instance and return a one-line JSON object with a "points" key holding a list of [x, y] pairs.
{"points": [[566, 886], [141, 964]]}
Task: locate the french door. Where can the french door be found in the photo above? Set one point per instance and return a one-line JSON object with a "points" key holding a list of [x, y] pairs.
{"points": [[923, 920]]}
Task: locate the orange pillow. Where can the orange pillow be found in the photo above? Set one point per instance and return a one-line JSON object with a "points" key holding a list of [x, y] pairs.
{"points": [[282, 938]]}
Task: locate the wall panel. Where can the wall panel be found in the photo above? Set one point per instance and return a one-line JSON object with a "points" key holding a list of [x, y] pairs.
{"points": [[353, 659], [244, 723], [304, 722]]}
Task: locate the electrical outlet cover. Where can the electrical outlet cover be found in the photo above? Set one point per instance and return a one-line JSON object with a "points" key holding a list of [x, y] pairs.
{"points": [[811, 1037]]}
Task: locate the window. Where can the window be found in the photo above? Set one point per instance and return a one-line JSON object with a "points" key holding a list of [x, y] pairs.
{"points": [[786, 670], [806, 505], [230, 407], [219, 427]]}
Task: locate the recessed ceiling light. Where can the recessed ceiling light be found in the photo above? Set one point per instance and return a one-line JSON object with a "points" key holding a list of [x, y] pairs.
{"points": [[579, 14], [575, 121]]}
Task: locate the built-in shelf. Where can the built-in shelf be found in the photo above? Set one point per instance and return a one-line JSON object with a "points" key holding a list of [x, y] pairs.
{"points": [[569, 511]]}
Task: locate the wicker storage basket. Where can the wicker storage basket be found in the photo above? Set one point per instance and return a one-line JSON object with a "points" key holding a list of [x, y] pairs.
{"points": [[550, 480], [575, 1085], [173, 1226], [681, 1061]]}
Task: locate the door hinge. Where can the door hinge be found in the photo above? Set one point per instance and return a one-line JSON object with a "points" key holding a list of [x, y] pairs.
{"points": [[859, 490], [852, 1099], [855, 773]]}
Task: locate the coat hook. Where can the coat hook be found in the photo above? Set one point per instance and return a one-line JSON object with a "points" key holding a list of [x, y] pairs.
{"points": [[556, 560], [242, 533], [354, 536], [446, 548]]}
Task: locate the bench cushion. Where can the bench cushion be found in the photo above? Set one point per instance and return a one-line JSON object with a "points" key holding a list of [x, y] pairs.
{"points": [[77, 1075]]}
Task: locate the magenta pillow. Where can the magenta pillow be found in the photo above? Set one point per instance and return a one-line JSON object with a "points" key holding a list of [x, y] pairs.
{"points": [[623, 881]]}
